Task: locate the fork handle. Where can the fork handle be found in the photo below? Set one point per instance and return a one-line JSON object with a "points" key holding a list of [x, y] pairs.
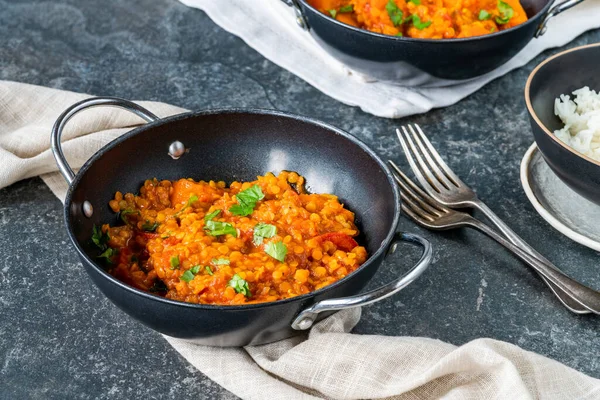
{"points": [[565, 298], [583, 295]]}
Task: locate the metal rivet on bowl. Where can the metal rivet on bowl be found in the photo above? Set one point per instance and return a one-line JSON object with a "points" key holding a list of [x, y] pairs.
{"points": [[305, 324], [176, 149], [88, 210]]}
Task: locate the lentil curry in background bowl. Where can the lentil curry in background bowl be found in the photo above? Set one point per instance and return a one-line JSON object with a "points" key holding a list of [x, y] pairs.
{"points": [[253, 262], [413, 41]]}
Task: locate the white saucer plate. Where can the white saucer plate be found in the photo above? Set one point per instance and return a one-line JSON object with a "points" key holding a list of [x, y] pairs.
{"points": [[569, 213]]}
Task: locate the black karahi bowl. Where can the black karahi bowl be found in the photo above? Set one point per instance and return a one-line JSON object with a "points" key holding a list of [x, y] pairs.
{"points": [[236, 145], [562, 74], [413, 61]]}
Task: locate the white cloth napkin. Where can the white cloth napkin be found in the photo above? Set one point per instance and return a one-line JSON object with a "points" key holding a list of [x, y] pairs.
{"points": [[269, 27], [329, 362]]}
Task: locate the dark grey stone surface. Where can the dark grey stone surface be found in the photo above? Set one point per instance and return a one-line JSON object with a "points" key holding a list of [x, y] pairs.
{"points": [[60, 338]]}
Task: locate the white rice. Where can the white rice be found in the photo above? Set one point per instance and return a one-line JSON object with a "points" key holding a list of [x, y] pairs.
{"points": [[581, 117]]}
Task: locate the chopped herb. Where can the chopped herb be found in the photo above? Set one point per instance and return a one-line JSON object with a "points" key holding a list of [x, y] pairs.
{"points": [[347, 8], [207, 268], [174, 262], [148, 227], [333, 13], [394, 12], [99, 238], [123, 215], [108, 254], [506, 13], [247, 200], [159, 286], [277, 250], [195, 269], [483, 15], [220, 261], [417, 23], [187, 276], [193, 198], [217, 228], [262, 231], [212, 215], [416, 2], [399, 34], [240, 285]]}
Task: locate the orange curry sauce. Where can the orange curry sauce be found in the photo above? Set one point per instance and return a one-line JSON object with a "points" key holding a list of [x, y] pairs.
{"points": [[426, 19], [201, 242]]}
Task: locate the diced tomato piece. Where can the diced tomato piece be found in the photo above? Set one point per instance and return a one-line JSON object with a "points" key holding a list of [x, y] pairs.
{"points": [[341, 240]]}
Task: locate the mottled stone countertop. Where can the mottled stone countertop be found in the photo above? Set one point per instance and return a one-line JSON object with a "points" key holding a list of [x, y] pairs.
{"points": [[59, 336]]}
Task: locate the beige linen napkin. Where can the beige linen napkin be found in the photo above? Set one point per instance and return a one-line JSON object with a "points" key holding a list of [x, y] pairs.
{"points": [[329, 362]]}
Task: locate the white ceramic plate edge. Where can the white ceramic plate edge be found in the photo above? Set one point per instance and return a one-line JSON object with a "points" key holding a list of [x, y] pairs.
{"points": [[562, 228]]}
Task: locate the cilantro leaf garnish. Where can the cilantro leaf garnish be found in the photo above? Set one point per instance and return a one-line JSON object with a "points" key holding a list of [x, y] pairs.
{"points": [[190, 273], [99, 238], [212, 215], [217, 228], [174, 262], [193, 198], [416, 2], [247, 200], [207, 268], [220, 261], [262, 231], [148, 227], [394, 12], [483, 15], [195, 269], [187, 276], [506, 13], [240, 285], [417, 23], [346, 9], [277, 250], [123, 215], [333, 13], [108, 254]]}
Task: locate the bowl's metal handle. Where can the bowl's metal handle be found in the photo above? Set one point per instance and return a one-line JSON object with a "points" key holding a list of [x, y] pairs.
{"points": [[553, 12], [300, 18], [307, 317], [59, 125]]}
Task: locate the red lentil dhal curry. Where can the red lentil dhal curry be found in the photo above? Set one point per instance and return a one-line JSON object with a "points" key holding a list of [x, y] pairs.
{"points": [[251, 242], [426, 19]]}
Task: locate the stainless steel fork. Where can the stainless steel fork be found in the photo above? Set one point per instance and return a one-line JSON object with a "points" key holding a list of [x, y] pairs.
{"points": [[429, 213], [441, 183]]}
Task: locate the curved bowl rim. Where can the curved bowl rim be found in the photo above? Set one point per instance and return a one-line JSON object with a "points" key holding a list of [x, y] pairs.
{"points": [[534, 115], [251, 111], [420, 40], [542, 211]]}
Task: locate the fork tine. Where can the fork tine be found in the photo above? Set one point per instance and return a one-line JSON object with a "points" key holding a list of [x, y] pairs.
{"points": [[414, 217], [422, 171], [414, 207], [407, 185], [417, 203], [432, 164], [447, 171]]}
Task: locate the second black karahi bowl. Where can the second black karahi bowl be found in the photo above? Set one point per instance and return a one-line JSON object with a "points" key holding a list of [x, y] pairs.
{"points": [[414, 61]]}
